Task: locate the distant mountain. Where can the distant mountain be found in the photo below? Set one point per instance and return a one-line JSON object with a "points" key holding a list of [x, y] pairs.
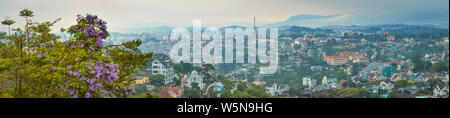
{"points": [[430, 18], [307, 20], [391, 28], [163, 28], [440, 19]]}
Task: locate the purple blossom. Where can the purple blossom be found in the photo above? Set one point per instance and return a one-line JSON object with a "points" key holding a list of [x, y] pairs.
{"points": [[98, 85], [76, 74], [90, 28], [67, 43], [39, 55], [75, 96], [98, 75], [91, 88], [45, 53], [69, 67], [99, 43], [92, 48], [92, 81], [88, 95], [89, 67], [43, 45], [71, 92]]}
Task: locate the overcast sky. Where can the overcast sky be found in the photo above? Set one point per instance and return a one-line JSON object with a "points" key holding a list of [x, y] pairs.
{"points": [[213, 13]]}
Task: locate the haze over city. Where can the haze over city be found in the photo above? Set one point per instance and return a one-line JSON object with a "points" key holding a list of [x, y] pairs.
{"points": [[123, 16]]}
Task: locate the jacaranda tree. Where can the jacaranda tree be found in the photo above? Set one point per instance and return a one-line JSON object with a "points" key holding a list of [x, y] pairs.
{"points": [[78, 67]]}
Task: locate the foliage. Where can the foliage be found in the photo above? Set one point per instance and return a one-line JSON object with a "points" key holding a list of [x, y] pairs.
{"points": [[77, 67], [401, 84], [353, 93], [191, 93], [420, 64], [184, 68], [349, 84], [157, 79], [440, 67]]}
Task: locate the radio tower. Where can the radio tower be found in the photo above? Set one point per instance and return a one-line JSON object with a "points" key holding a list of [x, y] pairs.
{"points": [[254, 22]]}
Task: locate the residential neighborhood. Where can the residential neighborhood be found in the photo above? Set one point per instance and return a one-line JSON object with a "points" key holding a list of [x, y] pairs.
{"points": [[320, 62]]}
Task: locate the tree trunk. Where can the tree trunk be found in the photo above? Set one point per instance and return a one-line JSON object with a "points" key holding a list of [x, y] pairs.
{"points": [[9, 30]]}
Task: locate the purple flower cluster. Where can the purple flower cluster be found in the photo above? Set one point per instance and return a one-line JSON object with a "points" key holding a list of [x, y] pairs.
{"points": [[100, 74], [96, 78], [91, 28], [39, 56]]}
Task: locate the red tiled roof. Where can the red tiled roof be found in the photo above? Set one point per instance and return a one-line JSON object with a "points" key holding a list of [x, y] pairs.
{"points": [[364, 58], [390, 63], [336, 57], [352, 53], [176, 89], [163, 93]]}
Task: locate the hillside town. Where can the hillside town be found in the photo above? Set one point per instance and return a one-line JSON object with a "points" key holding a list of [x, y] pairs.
{"points": [[379, 61]]}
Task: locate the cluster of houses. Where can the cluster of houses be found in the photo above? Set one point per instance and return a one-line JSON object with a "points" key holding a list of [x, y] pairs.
{"points": [[325, 84], [380, 78], [160, 64], [376, 77]]}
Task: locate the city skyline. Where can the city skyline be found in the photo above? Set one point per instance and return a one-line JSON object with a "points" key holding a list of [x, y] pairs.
{"points": [[125, 15]]}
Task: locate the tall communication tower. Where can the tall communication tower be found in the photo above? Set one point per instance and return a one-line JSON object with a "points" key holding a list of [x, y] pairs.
{"points": [[254, 22]]}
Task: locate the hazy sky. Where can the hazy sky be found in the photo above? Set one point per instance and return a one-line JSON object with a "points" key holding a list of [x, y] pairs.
{"points": [[122, 14]]}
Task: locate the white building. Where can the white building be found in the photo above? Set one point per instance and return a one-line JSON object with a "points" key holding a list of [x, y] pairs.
{"points": [[275, 89], [388, 86], [161, 64], [325, 81], [307, 81], [141, 80], [440, 91], [194, 77]]}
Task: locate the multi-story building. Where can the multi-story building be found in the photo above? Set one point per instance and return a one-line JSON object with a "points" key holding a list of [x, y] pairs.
{"points": [[361, 60], [161, 64], [351, 55], [194, 77], [274, 89], [309, 82], [335, 60]]}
